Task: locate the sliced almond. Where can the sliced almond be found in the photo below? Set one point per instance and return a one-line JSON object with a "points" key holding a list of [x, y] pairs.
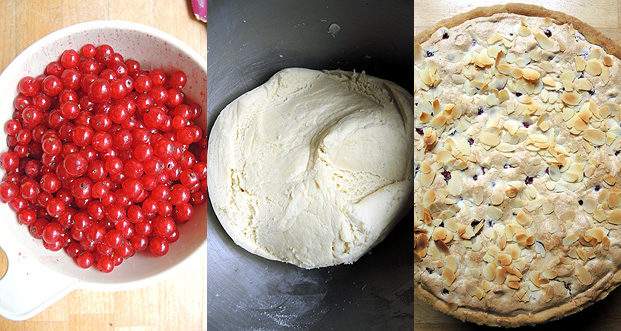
{"points": [[524, 31], [585, 113], [419, 53], [503, 259], [451, 262], [513, 284], [505, 148], [497, 197], [425, 168], [581, 253], [589, 205], [475, 291], [549, 273], [548, 81], [502, 242], [547, 208], [454, 185], [593, 67], [449, 238], [554, 172], [605, 75], [511, 126], [595, 136], [523, 219], [494, 39], [494, 213], [605, 243], [489, 139], [534, 277], [501, 275], [610, 179], [482, 59], [583, 84], [511, 192], [583, 275], [421, 242], [439, 233], [503, 96], [448, 276], [512, 271], [596, 233], [549, 293], [571, 98], [580, 63], [427, 179], [486, 286], [429, 137], [478, 195], [543, 41], [599, 215], [570, 239], [492, 100], [530, 74], [514, 250], [428, 198], [614, 216]]}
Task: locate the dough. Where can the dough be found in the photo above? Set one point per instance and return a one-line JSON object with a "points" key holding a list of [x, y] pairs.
{"points": [[313, 168]]}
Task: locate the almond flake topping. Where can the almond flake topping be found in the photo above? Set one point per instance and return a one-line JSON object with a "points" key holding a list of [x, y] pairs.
{"points": [[543, 41], [583, 275], [570, 239], [595, 137], [455, 183], [594, 67], [530, 74], [451, 263], [512, 147], [448, 276], [614, 216], [610, 179]]}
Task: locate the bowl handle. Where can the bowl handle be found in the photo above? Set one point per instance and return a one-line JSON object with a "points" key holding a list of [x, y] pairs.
{"points": [[28, 287]]}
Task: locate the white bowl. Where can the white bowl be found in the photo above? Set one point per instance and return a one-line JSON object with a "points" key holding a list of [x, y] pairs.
{"points": [[36, 277]]}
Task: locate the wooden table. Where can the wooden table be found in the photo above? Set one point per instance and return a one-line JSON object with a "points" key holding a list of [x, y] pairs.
{"points": [[178, 303], [605, 15]]}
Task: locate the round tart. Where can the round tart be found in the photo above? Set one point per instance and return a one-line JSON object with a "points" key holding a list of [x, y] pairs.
{"points": [[517, 146]]}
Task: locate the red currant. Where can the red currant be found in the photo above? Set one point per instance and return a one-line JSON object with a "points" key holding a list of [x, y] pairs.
{"points": [[104, 157], [75, 164], [158, 246]]}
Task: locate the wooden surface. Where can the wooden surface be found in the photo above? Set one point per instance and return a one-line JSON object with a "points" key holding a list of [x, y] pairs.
{"points": [[605, 16], [178, 303]]}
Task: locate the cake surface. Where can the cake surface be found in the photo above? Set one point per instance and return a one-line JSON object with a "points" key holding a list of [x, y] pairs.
{"points": [[313, 168], [517, 200]]}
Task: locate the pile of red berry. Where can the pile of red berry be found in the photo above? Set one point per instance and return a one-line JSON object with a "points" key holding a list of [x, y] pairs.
{"points": [[104, 157]]}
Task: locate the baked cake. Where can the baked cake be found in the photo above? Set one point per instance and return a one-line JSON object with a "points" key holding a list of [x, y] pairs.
{"points": [[517, 199]]}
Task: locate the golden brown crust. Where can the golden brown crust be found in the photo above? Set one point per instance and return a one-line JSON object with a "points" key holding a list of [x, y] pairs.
{"points": [[602, 287], [484, 317]]}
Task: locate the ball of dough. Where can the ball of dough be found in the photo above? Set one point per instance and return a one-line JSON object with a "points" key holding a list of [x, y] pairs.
{"points": [[313, 168]]}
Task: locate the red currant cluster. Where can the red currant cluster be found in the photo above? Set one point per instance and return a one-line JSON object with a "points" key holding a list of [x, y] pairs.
{"points": [[104, 158]]}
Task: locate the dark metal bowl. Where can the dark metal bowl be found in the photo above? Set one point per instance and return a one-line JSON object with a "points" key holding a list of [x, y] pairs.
{"points": [[248, 42]]}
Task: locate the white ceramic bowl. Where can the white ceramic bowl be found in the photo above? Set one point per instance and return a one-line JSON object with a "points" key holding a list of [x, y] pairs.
{"points": [[36, 277]]}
